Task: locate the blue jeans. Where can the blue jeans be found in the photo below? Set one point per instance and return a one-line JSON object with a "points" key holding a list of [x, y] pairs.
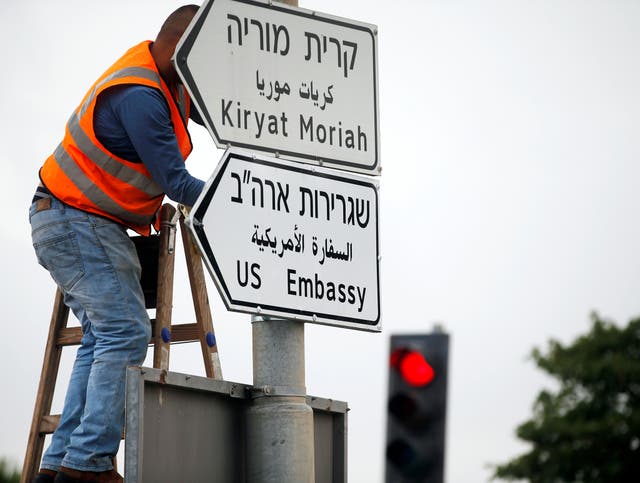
{"points": [[95, 264]]}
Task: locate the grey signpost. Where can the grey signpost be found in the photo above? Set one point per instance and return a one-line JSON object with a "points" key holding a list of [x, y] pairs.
{"points": [[285, 241]]}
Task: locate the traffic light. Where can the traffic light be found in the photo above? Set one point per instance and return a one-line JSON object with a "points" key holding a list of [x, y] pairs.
{"points": [[416, 408]]}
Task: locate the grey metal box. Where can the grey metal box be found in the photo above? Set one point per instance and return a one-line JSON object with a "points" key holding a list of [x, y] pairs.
{"points": [[189, 429]]}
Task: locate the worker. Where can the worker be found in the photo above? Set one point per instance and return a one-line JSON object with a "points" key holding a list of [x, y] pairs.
{"points": [[123, 149]]}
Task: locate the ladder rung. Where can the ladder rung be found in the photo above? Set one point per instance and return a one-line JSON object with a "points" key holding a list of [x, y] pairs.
{"points": [[69, 336], [48, 424], [184, 333], [179, 333]]}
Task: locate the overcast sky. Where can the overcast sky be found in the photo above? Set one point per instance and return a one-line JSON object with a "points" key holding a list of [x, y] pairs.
{"points": [[510, 137]]}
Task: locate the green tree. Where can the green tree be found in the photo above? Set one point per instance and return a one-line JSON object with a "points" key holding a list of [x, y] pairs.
{"points": [[7, 473], [589, 429]]}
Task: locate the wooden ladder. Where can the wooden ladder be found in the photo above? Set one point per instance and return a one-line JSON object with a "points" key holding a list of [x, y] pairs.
{"points": [[157, 256]]}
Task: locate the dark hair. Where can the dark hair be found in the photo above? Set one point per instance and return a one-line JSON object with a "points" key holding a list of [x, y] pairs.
{"points": [[176, 23]]}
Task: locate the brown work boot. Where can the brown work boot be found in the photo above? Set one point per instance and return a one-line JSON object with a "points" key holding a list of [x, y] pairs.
{"points": [[44, 476], [69, 475]]}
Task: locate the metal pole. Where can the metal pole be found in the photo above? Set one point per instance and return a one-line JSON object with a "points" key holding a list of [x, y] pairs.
{"points": [[279, 422]]}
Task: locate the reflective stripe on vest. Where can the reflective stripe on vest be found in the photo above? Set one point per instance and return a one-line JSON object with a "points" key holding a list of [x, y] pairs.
{"points": [[106, 162], [93, 192], [126, 72]]}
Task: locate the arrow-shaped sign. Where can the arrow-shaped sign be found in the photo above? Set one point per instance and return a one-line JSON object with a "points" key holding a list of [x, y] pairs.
{"points": [[280, 238], [286, 81]]}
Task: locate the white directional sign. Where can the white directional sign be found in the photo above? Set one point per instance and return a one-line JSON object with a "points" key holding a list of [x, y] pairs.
{"points": [[279, 79], [280, 238]]}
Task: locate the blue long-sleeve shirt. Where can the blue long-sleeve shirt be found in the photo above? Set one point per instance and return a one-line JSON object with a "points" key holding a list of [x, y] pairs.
{"points": [[134, 123]]}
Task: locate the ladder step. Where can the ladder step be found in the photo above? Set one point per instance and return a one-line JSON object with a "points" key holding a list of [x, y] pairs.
{"points": [[69, 336], [179, 333], [48, 424], [185, 333]]}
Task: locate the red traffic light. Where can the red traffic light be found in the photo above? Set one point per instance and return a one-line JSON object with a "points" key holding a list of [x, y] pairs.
{"points": [[413, 367]]}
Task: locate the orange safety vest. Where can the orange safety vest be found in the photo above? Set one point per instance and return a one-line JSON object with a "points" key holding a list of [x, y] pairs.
{"points": [[84, 174]]}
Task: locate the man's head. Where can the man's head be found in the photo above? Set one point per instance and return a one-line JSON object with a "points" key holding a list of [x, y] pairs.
{"points": [[165, 43]]}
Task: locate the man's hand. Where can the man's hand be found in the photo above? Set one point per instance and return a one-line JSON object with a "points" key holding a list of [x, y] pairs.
{"points": [[185, 210]]}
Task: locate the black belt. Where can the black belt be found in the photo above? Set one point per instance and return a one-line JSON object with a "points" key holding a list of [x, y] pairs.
{"points": [[41, 192]]}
